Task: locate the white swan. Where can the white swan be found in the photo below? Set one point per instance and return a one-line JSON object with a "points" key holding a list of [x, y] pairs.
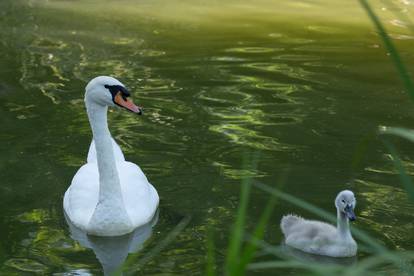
{"points": [[108, 196], [322, 238]]}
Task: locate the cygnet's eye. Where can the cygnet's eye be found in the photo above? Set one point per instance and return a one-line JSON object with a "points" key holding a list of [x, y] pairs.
{"points": [[343, 201]]}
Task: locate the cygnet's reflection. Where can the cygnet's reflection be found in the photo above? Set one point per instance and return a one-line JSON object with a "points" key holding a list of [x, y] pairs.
{"points": [[313, 258], [112, 251]]}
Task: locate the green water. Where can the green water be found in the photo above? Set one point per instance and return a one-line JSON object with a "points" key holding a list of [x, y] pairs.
{"points": [[303, 85]]}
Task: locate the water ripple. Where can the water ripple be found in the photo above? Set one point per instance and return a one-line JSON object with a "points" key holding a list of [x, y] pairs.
{"points": [[150, 53], [253, 50], [45, 65], [383, 214], [234, 173], [296, 57], [227, 59], [255, 100], [325, 29], [244, 136], [26, 265], [282, 68], [224, 95], [153, 86], [283, 88]]}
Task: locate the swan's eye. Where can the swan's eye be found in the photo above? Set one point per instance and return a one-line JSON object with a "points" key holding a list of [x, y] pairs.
{"points": [[115, 89], [343, 201]]}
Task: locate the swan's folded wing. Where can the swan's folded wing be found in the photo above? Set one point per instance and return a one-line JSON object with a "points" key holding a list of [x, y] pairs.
{"points": [[314, 237], [140, 197], [82, 196]]}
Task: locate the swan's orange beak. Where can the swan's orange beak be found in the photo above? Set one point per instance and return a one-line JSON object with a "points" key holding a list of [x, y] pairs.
{"points": [[127, 104]]}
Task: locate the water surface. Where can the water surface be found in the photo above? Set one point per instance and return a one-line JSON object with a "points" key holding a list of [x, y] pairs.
{"points": [[301, 84]]}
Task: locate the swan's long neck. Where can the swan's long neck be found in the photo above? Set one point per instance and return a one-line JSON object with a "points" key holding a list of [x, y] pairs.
{"points": [[108, 174], [343, 225], [110, 214]]}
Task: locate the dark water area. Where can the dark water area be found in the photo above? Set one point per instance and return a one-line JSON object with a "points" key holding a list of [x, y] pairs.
{"points": [[302, 85]]}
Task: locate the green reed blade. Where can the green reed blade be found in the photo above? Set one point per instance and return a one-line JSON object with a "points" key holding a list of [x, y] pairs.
{"points": [[397, 131], [389, 45], [134, 263], [211, 260], [250, 249], [404, 177], [236, 238]]}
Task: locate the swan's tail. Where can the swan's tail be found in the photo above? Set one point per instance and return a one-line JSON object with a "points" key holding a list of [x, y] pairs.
{"points": [[287, 222]]}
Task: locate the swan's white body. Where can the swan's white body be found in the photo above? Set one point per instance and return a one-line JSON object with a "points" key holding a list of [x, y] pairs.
{"points": [[322, 238], [108, 196]]}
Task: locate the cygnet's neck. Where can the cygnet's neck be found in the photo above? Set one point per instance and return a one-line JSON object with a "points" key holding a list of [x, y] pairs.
{"points": [[343, 225]]}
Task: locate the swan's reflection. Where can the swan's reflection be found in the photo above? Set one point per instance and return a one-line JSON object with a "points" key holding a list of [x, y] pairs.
{"points": [[313, 258], [112, 251]]}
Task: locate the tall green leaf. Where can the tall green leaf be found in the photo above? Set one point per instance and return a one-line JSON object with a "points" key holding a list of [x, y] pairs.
{"points": [[389, 45]]}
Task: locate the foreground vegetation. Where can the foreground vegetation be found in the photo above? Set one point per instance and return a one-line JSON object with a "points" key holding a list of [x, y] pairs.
{"points": [[243, 247]]}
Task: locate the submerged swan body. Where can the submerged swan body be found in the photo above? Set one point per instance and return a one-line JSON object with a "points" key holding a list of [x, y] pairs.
{"points": [[321, 238], [108, 196]]}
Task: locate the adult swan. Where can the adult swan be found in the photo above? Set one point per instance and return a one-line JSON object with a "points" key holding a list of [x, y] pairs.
{"points": [[108, 196]]}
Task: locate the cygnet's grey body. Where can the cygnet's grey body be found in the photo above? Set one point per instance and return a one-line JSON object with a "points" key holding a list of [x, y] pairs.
{"points": [[321, 238]]}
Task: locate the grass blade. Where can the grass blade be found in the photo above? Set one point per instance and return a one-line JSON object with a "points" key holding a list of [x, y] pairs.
{"points": [[236, 238], [211, 260], [404, 177], [389, 45], [398, 131], [251, 247], [133, 263]]}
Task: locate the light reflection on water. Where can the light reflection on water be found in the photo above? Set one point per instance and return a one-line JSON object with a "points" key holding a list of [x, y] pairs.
{"points": [[384, 216], [217, 80]]}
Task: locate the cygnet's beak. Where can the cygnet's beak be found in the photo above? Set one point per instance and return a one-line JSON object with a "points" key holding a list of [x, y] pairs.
{"points": [[350, 212], [127, 103]]}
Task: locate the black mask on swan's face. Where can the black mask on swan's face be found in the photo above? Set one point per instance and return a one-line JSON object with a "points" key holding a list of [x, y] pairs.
{"points": [[114, 89], [120, 97]]}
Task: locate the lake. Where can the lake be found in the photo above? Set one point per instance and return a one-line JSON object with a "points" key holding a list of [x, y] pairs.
{"points": [[292, 90]]}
